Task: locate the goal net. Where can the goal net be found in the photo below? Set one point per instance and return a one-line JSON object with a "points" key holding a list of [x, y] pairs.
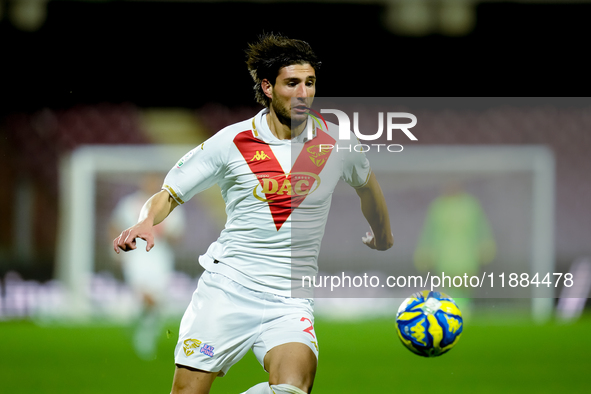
{"points": [[514, 188]]}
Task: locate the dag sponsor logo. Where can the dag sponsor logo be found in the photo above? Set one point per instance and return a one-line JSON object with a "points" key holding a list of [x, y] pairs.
{"points": [[298, 184], [345, 128]]}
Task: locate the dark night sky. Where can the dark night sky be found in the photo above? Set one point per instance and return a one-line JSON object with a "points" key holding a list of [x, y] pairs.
{"points": [[187, 54]]}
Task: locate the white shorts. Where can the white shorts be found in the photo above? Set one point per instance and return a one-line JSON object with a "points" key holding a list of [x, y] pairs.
{"points": [[225, 319]]}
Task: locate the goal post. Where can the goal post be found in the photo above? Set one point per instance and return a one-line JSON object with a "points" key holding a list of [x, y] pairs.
{"points": [[77, 198]]}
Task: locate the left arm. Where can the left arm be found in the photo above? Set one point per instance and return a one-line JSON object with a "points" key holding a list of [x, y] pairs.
{"points": [[373, 206]]}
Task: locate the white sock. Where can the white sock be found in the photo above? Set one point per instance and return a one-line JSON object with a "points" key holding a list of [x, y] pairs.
{"points": [[261, 388], [286, 389]]}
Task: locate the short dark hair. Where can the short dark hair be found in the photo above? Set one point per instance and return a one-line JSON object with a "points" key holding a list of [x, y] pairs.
{"points": [[271, 53]]}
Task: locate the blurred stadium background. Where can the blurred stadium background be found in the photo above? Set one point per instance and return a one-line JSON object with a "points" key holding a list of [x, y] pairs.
{"points": [[94, 74]]}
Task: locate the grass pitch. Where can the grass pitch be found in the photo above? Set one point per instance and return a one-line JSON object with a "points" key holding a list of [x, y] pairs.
{"points": [[492, 356]]}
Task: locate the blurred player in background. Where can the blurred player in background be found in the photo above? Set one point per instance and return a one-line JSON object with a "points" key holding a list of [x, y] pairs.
{"points": [[244, 298], [148, 274], [456, 240]]}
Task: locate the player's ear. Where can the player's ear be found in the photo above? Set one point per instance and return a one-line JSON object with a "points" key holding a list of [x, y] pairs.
{"points": [[267, 88]]}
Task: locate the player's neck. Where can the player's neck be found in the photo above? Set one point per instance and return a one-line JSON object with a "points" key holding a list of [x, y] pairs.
{"points": [[280, 130]]}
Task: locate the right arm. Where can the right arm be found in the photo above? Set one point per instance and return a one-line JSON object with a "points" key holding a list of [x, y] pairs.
{"points": [[196, 171], [154, 211]]}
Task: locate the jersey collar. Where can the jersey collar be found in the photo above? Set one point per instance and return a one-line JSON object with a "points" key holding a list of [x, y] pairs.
{"points": [[261, 130]]}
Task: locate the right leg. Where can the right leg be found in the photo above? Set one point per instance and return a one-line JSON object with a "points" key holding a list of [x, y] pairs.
{"points": [[287, 348], [189, 380]]}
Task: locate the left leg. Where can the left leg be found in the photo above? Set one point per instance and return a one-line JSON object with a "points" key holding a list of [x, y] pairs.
{"points": [[189, 380], [147, 328]]}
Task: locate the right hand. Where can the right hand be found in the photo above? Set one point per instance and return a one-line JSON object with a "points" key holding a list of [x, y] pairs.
{"points": [[126, 240]]}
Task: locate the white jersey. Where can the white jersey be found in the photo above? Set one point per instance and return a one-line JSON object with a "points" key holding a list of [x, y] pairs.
{"points": [[277, 195]]}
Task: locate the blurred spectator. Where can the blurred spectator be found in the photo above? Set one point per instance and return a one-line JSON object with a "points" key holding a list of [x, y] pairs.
{"points": [[456, 240]]}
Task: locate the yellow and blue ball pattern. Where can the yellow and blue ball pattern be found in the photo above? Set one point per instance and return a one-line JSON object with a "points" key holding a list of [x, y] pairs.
{"points": [[429, 323]]}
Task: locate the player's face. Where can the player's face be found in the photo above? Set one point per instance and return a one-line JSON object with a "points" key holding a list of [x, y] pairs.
{"points": [[293, 92]]}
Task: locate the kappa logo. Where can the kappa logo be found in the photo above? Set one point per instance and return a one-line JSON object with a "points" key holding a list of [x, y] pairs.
{"points": [[315, 152], [454, 324], [190, 345], [418, 332], [260, 155]]}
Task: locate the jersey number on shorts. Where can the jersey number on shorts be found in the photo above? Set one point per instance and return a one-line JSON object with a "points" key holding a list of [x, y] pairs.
{"points": [[309, 329]]}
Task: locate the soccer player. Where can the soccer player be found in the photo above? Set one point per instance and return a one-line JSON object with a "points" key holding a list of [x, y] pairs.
{"points": [[148, 274], [276, 183]]}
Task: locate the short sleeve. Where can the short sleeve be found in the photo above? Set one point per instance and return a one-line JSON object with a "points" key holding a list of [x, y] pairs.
{"points": [[356, 168], [198, 170]]}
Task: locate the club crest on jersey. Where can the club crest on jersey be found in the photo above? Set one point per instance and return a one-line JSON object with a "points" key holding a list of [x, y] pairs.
{"points": [[260, 155], [316, 151], [189, 346]]}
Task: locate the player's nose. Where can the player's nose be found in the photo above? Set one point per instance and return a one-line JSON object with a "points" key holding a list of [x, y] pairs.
{"points": [[302, 91]]}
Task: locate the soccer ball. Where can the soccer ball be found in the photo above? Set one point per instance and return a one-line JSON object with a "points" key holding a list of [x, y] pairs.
{"points": [[429, 323]]}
